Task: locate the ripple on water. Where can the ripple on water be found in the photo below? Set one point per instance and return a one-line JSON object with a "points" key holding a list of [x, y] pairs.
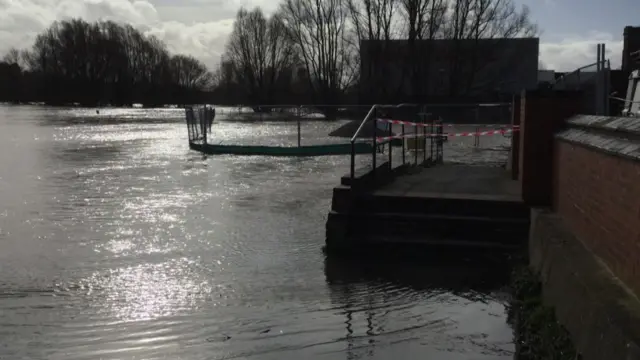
{"points": [[116, 241]]}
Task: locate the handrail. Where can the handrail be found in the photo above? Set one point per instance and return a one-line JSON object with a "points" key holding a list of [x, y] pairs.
{"points": [[373, 137], [366, 118], [374, 107], [624, 100]]}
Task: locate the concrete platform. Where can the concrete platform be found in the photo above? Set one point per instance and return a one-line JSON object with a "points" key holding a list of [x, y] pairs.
{"points": [[456, 181], [445, 205]]}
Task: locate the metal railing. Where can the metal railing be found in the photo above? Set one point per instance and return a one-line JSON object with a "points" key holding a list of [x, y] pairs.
{"points": [[594, 81], [198, 122], [432, 131]]}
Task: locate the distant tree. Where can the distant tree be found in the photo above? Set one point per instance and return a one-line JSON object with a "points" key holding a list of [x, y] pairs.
{"points": [[319, 30], [469, 21], [373, 20], [106, 62], [190, 72], [261, 54], [12, 56]]}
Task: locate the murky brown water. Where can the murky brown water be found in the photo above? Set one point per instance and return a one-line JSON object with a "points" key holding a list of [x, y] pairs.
{"points": [[118, 242]]}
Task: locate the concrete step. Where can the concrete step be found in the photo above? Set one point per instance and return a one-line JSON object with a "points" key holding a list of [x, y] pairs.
{"points": [[441, 226], [441, 243], [467, 206], [430, 229]]}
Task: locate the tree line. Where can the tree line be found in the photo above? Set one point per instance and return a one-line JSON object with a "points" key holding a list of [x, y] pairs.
{"points": [[309, 50], [100, 63]]}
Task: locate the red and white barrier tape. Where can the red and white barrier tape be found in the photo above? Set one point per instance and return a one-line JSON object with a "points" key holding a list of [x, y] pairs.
{"points": [[480, 133], [409, 123]]}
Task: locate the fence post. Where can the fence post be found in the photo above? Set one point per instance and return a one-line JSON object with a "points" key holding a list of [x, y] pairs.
{"points": [[203, 124], [415, 143], [424, 140], [476, 137], [299, 136], [390, 145], [375, 141], [403, 145]]}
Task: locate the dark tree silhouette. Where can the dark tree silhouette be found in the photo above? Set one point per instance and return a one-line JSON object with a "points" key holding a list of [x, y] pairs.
{"points": [[102, 63]]}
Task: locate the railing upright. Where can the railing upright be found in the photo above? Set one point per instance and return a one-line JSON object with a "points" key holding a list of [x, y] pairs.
{"points": [[390, 142], [374, 142], [372, 114], [424, 142], [403, 146]]}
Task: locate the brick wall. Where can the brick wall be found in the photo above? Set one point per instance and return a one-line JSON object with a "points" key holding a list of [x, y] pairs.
{"points": [[542, 113], [598, 197]]}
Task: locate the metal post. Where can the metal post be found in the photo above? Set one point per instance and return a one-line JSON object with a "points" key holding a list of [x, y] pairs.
{"points": [[390, 146], [299, 131], [424, 141], [403, 145], [375, 141], [476, 140], [432, 131], [607, 85], [203, 124], [415, 143], [598, 76], [353, 161]]}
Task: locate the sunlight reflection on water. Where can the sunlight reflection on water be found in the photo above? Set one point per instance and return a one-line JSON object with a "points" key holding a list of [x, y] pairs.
{"points": [[117, 241]]}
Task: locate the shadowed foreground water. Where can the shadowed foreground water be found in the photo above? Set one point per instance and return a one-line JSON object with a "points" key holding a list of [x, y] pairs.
{"points": [[118, 242]]}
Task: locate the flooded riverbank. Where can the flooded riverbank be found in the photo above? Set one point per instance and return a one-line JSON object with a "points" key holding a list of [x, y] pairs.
{"points": [[116, 241]]}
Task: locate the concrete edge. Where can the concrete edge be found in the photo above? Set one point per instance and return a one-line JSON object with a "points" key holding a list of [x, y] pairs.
{"points": [[602, 316]]}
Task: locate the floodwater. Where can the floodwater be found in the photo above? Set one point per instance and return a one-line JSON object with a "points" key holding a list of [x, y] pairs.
{"points": [[117, 242]]}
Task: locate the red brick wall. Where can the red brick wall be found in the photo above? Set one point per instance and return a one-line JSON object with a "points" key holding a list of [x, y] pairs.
{"points": [[598, 197], [543, 113]]}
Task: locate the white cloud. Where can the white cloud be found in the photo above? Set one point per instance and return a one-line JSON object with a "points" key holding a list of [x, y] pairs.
{"points": [[572, 52], [22, 20], [200, 27]]}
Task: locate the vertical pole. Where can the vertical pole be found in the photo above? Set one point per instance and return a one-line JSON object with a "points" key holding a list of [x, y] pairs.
{"points": [[203, 124], [374, 140], [424, 140], [476, 138], [390, 146], [403, 145], [432, 130], [607, 82], [353, 162], [299, 136], [415, 142], [598, 76]]}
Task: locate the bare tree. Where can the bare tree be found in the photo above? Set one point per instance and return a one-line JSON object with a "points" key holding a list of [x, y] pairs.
{"points": [[424, 20], [189, 72], [373, 25], [319, 30], [471, 21], [259, 49], [12, 57]]}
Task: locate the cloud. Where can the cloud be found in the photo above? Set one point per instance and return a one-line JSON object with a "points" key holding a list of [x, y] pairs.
{"points": [[22, 20], [200, 27], [572, 52]]}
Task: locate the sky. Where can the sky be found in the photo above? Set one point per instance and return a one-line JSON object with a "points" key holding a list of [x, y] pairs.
{"points": [[570, 29]]}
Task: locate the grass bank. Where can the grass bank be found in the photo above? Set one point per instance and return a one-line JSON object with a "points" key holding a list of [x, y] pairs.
{"points": [[538, 334]]}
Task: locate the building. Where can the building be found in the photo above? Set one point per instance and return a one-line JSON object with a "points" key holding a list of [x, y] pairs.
{"points": [[546, 76], [393, 71]]}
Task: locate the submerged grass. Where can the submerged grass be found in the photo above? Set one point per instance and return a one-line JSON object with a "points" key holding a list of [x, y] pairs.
{"points": [[538, 333]]}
